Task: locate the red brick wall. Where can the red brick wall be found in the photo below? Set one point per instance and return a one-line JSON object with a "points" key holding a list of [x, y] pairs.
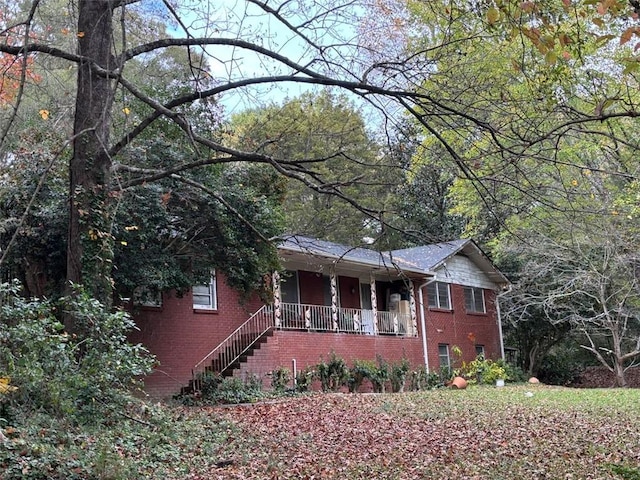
{"points": [[180, 336], [308, 348], [467, 331]]}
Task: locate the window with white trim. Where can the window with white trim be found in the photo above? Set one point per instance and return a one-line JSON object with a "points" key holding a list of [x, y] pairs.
{"points": [[205, 296], [438, 295], [480, 351], [443, 356], [474, 300]]}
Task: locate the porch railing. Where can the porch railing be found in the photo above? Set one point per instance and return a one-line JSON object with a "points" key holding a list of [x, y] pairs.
{"points": [[237, 343], [296, 316]]}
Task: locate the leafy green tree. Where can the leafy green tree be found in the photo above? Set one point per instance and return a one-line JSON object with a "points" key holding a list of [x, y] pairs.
{"points": [[527, 326], [33, 219], [476, 105], [169, 233], [424, 203], [579, 261], [541, 143], [327, 137]]}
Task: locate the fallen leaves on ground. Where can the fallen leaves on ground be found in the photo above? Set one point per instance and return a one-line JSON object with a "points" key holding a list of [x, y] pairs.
{"points": [[478, 433]]}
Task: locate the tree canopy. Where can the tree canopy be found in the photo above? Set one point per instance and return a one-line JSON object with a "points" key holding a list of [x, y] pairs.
{"points": [[523, 116]]}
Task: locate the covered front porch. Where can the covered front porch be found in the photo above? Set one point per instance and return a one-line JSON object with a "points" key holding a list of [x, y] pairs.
{"points": [[322, 318], [327, 287]]}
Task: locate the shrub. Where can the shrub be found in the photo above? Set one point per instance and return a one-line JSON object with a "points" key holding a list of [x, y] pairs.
{"points": [[559, 369], [81, 378], [209, 383], [421, 379], [280, 378], [380, 375], [398, 376], [360, 371], [513, 372], [304, 380], [483, 371], [231, 390], [445, 374], [334, 374]]}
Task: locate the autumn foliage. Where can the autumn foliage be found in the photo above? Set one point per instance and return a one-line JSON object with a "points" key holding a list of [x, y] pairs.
{"points": [[14, 70]]}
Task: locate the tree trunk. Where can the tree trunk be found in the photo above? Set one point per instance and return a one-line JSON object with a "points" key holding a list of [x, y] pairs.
{"points": [[618, 369], [90, 244]]}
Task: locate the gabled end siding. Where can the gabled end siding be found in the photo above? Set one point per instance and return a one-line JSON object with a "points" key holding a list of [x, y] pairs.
{"points": [[461, 270]]}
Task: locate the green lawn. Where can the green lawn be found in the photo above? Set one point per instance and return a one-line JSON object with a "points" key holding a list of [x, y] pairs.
{"points": [[515, 432]]}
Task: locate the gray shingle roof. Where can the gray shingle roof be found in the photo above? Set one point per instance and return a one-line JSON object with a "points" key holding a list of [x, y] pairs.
{"points": [[323, 248], [422, 260], [430, 257]]}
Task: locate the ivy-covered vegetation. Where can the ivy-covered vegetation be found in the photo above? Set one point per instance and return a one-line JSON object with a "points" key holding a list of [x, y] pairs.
{"points": [[84, 377], [61, 392]]}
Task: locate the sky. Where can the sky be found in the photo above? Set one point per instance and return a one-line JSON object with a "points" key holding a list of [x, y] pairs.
{"points": [[242, 20]]}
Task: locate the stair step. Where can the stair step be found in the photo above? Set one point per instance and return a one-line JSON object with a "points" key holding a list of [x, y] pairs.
{"points": [[239, 344]]}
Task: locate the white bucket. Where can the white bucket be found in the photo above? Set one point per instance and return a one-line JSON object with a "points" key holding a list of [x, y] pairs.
{"points": [[500, 382]]}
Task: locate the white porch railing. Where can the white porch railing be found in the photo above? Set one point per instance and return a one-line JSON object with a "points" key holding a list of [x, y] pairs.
{"points": [[295, 316]]}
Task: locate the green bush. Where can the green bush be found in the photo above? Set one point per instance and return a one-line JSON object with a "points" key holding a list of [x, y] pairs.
{"points": [[79, 377], [398, 375], [514, 373], [231, 390], [380, 375], [559, 369], [483, 371], [421, 379], [304, 380], [280, 378], [359, 372], [333, 374], [209, 383], [445, 374]]}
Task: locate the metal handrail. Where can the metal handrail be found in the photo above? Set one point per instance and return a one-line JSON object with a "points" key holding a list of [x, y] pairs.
{"points": [[320, 318], [238, 342]]}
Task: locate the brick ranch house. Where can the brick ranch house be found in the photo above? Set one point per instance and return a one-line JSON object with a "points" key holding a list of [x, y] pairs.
{"points": [[415, 303]]}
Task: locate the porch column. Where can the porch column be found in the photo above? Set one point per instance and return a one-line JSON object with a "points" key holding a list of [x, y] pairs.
{"points": [[334, 300], [374, 304], [277, 295], [412, 309]]}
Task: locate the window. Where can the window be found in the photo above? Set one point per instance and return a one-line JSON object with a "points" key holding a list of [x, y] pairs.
{"points": [[289, 292], [204, 296], [146, 297], [474, 299], [480, 351], [438, 295], [443, 355]]}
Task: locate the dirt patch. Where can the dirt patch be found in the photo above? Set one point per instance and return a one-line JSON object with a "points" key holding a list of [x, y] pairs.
{"points": [[600, 377]]}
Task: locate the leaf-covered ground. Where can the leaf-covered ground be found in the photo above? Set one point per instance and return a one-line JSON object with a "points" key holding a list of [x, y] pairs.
{"points": [[515, 432], [529, 432]]}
